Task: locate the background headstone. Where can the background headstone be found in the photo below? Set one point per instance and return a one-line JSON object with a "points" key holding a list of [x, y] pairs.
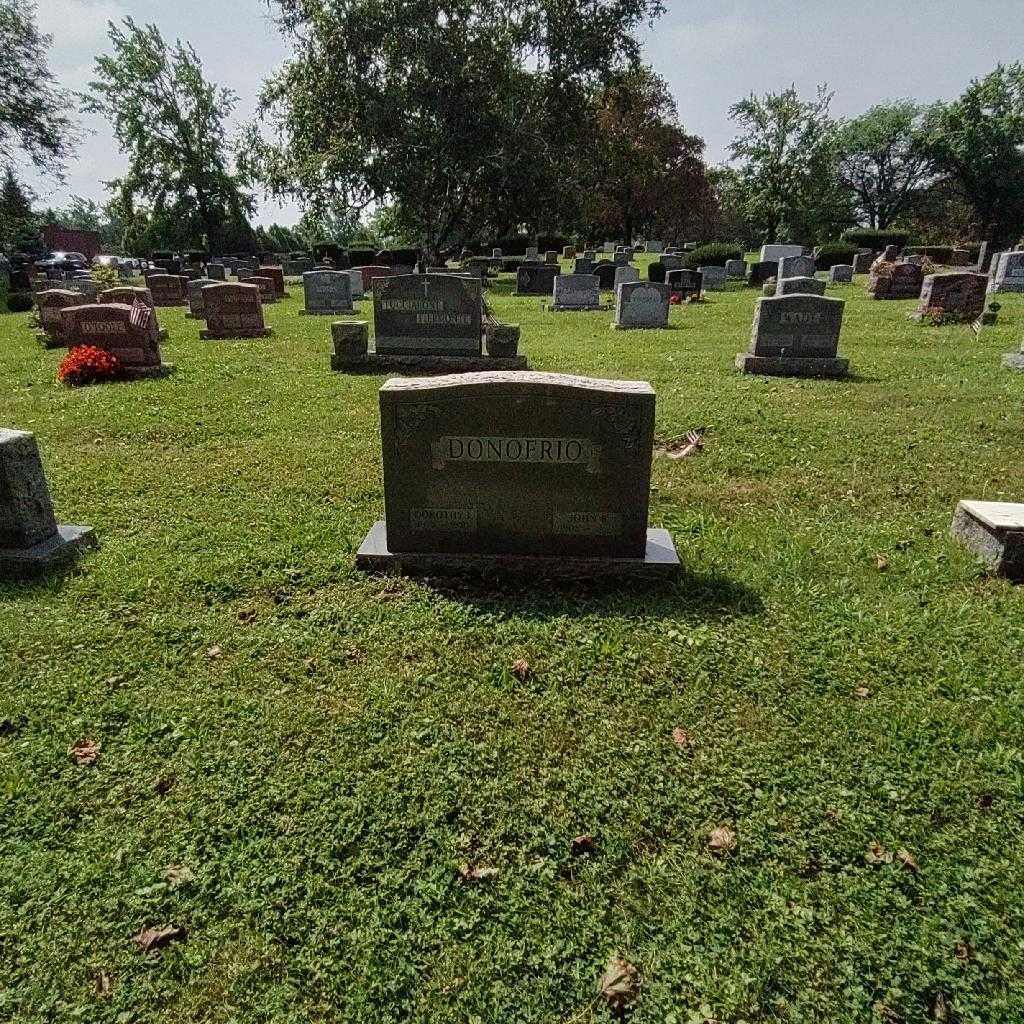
{"points": [[536, 279], [796, 335], [642, 304], [233, 311], [423, 314], [713, 278], [840, 273], [800, 286], [576, 291], [327, 291], [960, 296]]}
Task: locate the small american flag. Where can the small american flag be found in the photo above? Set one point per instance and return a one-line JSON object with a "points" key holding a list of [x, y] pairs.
{"points": [[140, 314]]}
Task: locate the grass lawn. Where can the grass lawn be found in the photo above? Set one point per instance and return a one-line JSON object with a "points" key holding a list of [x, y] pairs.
{"points": [[374, 815]]}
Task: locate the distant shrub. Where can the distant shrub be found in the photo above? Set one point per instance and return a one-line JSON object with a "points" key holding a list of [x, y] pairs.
{"points": [[874, 238], [19, 302], [105, 277], [936, 253], [87, 364], [362, 257], [834, 252], [714, 254], [398, 257]]}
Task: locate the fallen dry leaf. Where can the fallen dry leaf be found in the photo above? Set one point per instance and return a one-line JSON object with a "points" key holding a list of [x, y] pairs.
{"points": [[581, 845], [680, 737], [247, 615], [157, 938], [214, 651], [877, 854], [721, 839], [521, 669], [476, 873], [907, 860], [85, 751], [964, 951], [863, 692], [620, 984], [103, 983], [940, 1008], [881, 563], [163, 784], [177, 875]]}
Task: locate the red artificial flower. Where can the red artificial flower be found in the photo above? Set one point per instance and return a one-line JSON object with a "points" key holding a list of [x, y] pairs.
{"points": [[87, 364], [676, 300]]}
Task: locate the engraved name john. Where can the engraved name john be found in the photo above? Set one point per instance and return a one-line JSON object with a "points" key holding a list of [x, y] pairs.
{"points": [[556, 451]]}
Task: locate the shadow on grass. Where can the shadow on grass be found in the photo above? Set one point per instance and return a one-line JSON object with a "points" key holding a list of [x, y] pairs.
{"points": [[690, 596]]}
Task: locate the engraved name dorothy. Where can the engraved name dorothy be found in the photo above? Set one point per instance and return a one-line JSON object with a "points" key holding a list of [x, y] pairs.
{"points": [[554, 451]]}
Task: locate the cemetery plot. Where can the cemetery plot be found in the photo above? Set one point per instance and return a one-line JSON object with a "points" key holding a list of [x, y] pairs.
{"points": [[796, 336], [233, 311], [529, 472], [115, 328]]}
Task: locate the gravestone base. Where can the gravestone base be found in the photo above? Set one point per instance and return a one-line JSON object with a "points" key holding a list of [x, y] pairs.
{"points": [[792, 366], [61, 548], [660, 562], [1014, 361], [994, 531], [384, 362], [330, 312], [550, 307], [145, 372], [209, 335]]}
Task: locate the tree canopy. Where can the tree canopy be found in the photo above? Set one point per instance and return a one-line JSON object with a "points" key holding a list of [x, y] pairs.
{"points": [[169, 120]]}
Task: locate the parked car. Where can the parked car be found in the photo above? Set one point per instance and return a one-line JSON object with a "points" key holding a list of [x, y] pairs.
{"points": [[63, 261]]}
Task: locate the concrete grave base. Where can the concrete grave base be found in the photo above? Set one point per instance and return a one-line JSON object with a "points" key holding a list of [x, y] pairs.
{"points": [[328, 312], [63, 547], [661, 562], [146, 372], [266, 332], [1014, 361], [994, 531], [640, 327], [374, 362], [602, 308], [787, 366]]}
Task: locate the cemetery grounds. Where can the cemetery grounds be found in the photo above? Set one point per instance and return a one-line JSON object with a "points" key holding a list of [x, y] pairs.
{"points": [[367, 798]]}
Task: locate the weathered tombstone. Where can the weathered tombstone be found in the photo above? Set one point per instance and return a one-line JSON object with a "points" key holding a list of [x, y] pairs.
{"points": [[233, 311], [840, 273], [590, 254], [994, 531], [533, 472], [758, 273], [796, 336], [625, 275], [862, 262], [243, 273], [622, 258], [576, 292], [796, 266], [800, 286], [642, 304], [605, 272], [671, 261], [356, 278], [371, 272], [31, 539], [551, 256], [960, 258], [268, 290], [583, 266], [86, 287], [955, 295], [496, 254], [536, 279], [736, 269], [776, 253], [217, 271], [327, 291], [531, 252], [196, 307], [422, 314], [655, 247], [276, 275], [1009, 272], [298, 267], [49, 304], [714, 278], [917, 258], [686, 284], [113, 327], [896, 281], [168, 290]]}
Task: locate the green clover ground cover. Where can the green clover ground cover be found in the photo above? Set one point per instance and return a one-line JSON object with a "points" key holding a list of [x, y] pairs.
{"points": [[359, 809]]}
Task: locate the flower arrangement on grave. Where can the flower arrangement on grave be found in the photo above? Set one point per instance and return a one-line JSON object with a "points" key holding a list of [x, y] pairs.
{"points": [[675, 300], [87, 364], [882, 268]]}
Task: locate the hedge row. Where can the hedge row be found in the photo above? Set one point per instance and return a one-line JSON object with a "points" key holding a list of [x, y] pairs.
{"points": [[714, 254]]}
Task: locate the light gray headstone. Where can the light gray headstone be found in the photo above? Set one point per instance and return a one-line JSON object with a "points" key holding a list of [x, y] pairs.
{"points": [[576, 291], [626, 275], [775, 253], [800, 286], [841, 273], [714, 278], [796, 266], [642, 304], [736, 269], [327, 291]]}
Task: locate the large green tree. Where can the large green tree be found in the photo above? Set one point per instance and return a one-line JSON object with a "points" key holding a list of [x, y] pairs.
{"points": [[978, 142], [883, 160], [33, 110], [785, 157], [18, 222], [463, 115], [648, 174], [169, 120]]}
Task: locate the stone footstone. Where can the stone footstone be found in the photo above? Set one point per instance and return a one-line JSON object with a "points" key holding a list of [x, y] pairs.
{"points": [[994, 531], [1014, 361], [785, 366], [660, 561]]}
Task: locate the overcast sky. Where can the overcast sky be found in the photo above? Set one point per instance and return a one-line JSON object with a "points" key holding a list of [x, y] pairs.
{"points": [[712, 52]]}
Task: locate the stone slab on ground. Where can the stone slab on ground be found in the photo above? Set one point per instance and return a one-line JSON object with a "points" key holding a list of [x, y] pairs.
{"points": [[65, 546], [994, 531], [385, 362], [660, 561], [1014, 361], [786, 366]]}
